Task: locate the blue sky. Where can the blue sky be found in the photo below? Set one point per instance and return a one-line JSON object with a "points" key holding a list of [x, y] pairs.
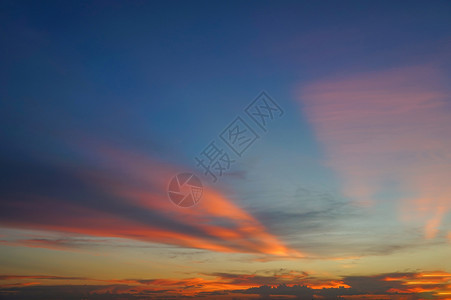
{"points": [[103, 102]]}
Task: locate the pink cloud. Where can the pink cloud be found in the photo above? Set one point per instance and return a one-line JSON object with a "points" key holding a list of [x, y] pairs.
{"points": [[133, 204], [387, 129]]}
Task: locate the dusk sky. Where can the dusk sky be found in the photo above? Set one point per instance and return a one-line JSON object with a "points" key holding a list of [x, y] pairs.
{"points": [[225, 150]]}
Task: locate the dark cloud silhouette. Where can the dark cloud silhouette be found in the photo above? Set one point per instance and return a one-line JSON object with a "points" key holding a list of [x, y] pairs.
{"points": [[301, 285]]}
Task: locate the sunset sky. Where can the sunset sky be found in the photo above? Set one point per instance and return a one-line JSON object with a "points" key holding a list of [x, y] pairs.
{"points": [[340, 190]]}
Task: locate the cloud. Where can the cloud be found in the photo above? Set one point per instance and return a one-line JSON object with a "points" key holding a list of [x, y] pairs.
{"points": [[123, 195], [431, 285], [71, 244], [386, 133], [46, 277], [401, 286]]}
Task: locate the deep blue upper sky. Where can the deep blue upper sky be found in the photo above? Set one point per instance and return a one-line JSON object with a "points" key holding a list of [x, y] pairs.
{"points": [[150, 73]]}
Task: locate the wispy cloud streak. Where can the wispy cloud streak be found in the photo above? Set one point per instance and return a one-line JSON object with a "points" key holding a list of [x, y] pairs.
{"points": [[124, 196], [385, 133]]}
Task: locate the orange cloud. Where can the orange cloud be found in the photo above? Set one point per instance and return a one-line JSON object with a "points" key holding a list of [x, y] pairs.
{"points": [[438, 283], [136, 185], [401, 286], [245, 233], [388, 130], [184, 286]]}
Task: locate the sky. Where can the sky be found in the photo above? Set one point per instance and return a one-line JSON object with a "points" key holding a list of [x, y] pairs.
{"points": [[225, 150]]}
